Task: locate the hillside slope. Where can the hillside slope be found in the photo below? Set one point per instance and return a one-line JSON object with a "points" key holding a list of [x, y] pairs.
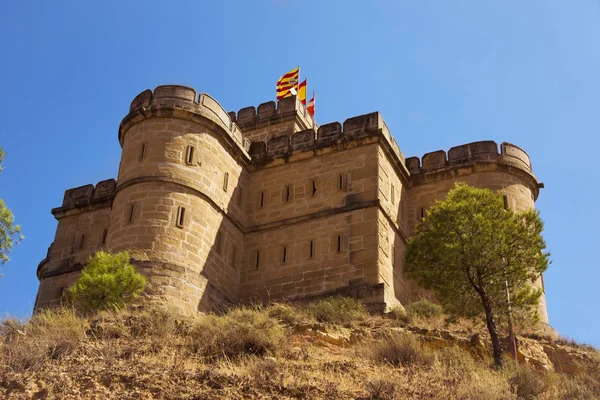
{"points": [[328, 350]]}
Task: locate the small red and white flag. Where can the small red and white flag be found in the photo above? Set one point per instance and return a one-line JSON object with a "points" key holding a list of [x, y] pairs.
{"points": [[310, 107]]}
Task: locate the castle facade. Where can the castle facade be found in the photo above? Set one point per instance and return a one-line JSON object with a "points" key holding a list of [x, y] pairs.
{"points": [[219, 208]]}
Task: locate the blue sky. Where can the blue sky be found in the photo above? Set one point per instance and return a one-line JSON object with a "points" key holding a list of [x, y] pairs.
{"points": [[442, 73]]}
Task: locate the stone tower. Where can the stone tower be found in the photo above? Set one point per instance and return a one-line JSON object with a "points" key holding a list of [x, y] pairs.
{"points": [[218, 208]]}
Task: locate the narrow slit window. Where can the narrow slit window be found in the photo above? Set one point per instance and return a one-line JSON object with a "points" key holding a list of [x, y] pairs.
{"points": [[339, 243], [311, 249], [505, 199], [284, 255], [82, 241], [422, 214], [218, 243], [257, 260], [142, 151], [131, 211], [233, 255], [239, 197], [180, 217], [341, 181], [393, 195], [314, 187], [262, 199], [190, 154], [287, 193], [104, 234], [225, 181]]}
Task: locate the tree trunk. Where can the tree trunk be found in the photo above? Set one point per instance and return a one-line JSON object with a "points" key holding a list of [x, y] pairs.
{"points": [[491, 325]]}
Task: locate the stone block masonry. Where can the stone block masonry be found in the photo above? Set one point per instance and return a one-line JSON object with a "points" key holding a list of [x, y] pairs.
{"points": [[220, 208]]}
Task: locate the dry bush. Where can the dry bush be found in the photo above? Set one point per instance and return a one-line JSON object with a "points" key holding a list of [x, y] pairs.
{"points": [[288, 314], [50, 334], [337, 310], [529, 384], [241, 331], [457, 361], [399, 314], [424, 309], [381, 389], [485, 384], [401, 349]]}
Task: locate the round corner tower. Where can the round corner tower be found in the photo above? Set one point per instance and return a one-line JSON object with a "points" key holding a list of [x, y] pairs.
{"points": [[175, 207], [477, 164]]}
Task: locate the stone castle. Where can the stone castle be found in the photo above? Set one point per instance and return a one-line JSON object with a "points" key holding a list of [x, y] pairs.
{"points": [[219, 208]]}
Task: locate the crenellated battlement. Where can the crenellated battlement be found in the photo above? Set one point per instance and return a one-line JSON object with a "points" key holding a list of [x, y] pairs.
{"points": [[510, 157], [334, 133], [182, 102], [85, 196], [271, 113], [486, 151]]}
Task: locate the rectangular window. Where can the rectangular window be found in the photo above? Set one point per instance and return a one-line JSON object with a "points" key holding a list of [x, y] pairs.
{"points": [[180, 217], [262, 199], [257, 260], [505, 198], [130, 215], [393, 195], [142, 151], [82, 241], [219, 243], [339, 243], [190, 155], [104, 234], [311, 248], [314, 188], [341, 182], [422, 214], [284, 254], [225, 181]]}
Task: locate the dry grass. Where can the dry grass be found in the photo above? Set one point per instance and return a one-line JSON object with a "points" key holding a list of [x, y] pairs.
{"points": [[253, 353]]}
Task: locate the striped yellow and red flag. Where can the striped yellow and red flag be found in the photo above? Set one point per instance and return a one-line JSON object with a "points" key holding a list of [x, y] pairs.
{"points": [[287, 82], [302, 92], [311, 105]]}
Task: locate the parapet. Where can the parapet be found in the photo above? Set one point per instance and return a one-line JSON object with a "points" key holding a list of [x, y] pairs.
{"points": [[357, 128], [271, 113], [182, 102], [88, 195], [472, 153]]}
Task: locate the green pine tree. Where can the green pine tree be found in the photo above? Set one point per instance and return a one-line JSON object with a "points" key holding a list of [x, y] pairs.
{"points": [[108, 281], [468, 249], [10, 233]]}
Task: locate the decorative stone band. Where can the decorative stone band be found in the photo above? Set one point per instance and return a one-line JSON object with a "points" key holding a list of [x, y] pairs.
{"points": [[511, 159], [182, 102]]}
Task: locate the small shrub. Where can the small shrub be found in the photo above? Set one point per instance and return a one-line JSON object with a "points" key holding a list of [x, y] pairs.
{"points": [[337, 310], [485, 384], [405, 350], [530, 384], [399, 314], [241, 331], [50, 334], [456, 361], [287, 314], [108, 281], [424, 308], [381, 389]]}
